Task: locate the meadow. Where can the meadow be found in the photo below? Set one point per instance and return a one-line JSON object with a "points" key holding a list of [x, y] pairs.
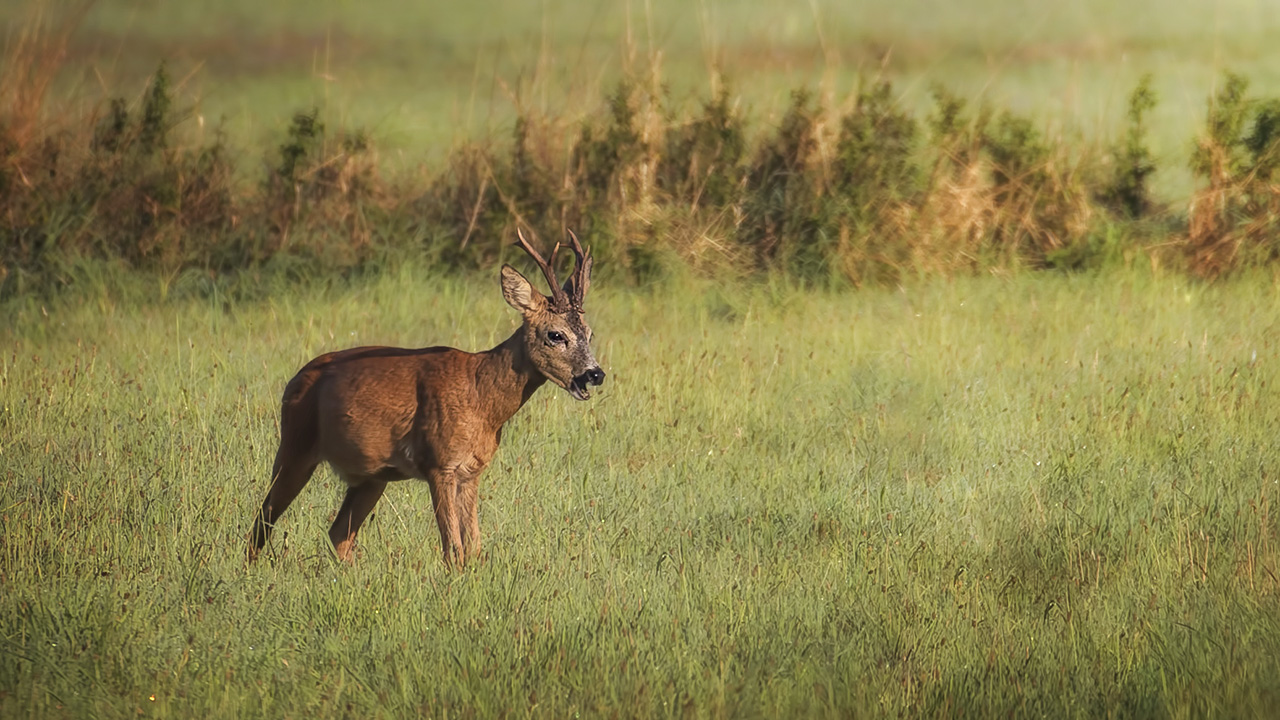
{"points": [[906, 414], [1035, 495]]}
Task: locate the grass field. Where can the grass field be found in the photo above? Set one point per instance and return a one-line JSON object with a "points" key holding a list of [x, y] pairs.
{"points": [[1040, 495], [1004, 492]]}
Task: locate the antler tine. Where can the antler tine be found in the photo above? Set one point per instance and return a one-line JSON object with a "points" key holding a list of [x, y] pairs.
{"points": [[578, 279], [577, 247], [548, 269]]}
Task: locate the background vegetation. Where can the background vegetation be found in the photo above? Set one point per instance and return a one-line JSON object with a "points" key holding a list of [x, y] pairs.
{"points": [[1026, 468], [659, 144]]}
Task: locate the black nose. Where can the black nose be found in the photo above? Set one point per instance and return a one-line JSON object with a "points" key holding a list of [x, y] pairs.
{"points": [[595, 376]]}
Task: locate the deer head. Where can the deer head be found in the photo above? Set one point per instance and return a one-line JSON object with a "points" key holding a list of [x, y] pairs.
{"points": [[556, 336]]}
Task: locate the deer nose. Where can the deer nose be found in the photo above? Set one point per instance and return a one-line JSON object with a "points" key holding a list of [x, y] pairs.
{"points": [[595, 376]]}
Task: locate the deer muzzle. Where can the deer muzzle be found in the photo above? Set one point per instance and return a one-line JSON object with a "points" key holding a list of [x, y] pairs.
{"points": [[580, 388]]}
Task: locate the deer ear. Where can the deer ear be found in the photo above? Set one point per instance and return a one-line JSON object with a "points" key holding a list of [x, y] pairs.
{"points": [[520, 293]]}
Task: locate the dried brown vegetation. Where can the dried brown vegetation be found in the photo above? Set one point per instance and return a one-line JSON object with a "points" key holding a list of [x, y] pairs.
{"points": [[836, 191], [1234, 218]]}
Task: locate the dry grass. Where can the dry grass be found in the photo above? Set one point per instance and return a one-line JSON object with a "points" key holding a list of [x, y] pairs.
{"points": [[32, 61]]}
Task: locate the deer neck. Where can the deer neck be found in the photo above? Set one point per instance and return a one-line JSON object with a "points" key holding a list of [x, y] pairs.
{"points": [[506, 378]]}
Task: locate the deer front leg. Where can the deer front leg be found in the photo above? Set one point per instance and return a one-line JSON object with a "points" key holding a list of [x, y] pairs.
{"points": [[444, 496], [469, 512]]}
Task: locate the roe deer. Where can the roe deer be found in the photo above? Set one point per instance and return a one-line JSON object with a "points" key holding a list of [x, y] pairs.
{"points": [[379, 414]]}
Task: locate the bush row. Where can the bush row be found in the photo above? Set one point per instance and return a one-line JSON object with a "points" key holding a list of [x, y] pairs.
{"points": [[863, 192]]}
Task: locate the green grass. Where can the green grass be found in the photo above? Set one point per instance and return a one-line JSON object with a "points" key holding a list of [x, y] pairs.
{"points": [[425, 76], [1040, 495], [1032, 495]]}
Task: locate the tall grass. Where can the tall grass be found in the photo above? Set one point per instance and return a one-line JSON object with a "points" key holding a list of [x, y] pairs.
{"points": [[1050, 495]]}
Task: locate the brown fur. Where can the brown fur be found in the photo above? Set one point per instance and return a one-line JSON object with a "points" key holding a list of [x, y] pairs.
{"points": [[380, 414]]}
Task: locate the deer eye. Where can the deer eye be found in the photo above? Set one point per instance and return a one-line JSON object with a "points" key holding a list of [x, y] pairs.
{"points": [[555, 338]]}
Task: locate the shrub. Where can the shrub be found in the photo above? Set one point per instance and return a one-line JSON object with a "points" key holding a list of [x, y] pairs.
{"points": [[1126, 192], [875, 191], [1233, 218], [779, 208], [703, 161], [957, 210], [1039, 202]]}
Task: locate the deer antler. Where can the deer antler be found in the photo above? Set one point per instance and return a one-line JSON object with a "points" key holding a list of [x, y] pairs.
{"points": [[581, 274], [558, 295]]}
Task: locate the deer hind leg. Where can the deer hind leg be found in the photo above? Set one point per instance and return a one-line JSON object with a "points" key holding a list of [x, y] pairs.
{"points": [[444, 496], [296, 458], [288, 477], [356, 506]]}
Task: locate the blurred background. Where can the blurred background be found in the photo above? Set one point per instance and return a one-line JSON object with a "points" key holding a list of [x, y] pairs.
{"points": [[422, 75], [843, 142]]}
